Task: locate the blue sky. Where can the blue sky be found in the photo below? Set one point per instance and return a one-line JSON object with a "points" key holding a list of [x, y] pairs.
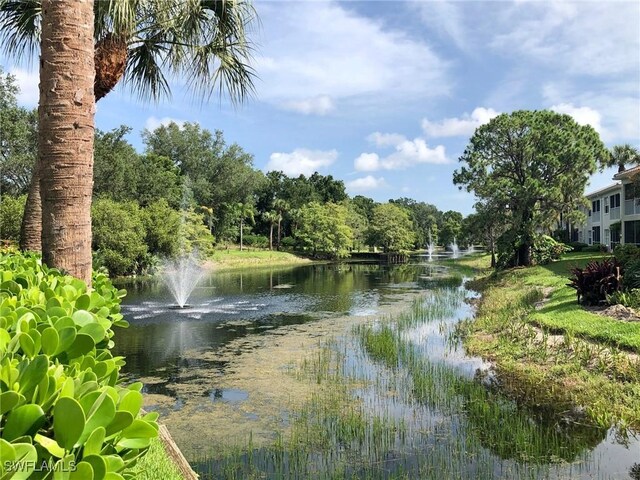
{"points": [[384, 95]]}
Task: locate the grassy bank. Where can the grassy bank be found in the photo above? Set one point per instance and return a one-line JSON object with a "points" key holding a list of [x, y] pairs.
{"points": [[530, 325], [234, 258], [156, 464]]}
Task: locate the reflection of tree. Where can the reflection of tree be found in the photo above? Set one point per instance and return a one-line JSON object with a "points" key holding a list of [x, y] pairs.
{"points": [[511, 431], [634, 471]]}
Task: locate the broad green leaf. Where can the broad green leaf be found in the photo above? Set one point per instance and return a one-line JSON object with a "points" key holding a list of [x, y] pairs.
{"points": [[82, 345], [64, 322], [99, 466], [7, 452], [67, 336], [121, 420], [131, 402], [5, 338], [68, 388], [83, 302], [24, 420], [82, 318], [113, 476], [10, 400], [101, 414], [27, 345], [27, 454], [93, 445], [140, 429], [83, 471], [50, 445], [50, 340], [114, 463], [64, 467], [95, 331], [68, 422], [33, 373]]}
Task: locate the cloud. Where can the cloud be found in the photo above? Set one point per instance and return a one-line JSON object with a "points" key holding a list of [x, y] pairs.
{"points": [[366, 183], [29, 94], [318, 105], [386, 139], [152, 122], [459, 127], [407, 153], [446, 19], [582, 115], [339, 54], [301, 161]]}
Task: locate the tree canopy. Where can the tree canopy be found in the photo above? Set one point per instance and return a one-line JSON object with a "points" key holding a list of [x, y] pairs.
{"points": [[535, 164]]}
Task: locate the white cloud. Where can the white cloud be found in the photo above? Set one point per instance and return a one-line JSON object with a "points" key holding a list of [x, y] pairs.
{"points": [[28, 83], [152, 122], [367, 162], [301, 161], [386, 139], [446, 19], [407, 153], [592, 38], [340, 54], [318, 105], [582, 115], [459, 127], [366, 183]]}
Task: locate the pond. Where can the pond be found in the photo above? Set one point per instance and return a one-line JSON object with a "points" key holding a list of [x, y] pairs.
{"points": [[384, 391]]}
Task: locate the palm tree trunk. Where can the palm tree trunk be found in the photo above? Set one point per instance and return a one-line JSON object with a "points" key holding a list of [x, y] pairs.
{"points": [[65, 141], [31, 227], [279, 223], [271, 237], [241, 225]]}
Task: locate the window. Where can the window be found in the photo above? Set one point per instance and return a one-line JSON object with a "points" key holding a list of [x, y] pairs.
{"points": [[595, 206], [614, 200], [595, 237], [632, 232]]}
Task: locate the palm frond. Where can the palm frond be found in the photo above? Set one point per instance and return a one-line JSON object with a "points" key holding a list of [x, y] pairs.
{"points": [[20, 27]]}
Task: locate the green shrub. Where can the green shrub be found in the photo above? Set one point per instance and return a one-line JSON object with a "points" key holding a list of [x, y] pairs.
{"points": [[119, 237], [626, 253], [578, 246], [546, 249], [61, 402], [11, 211], [195, 235], [595, 248], [630, 298], [162, 228], [257, 241], [288, 243]]}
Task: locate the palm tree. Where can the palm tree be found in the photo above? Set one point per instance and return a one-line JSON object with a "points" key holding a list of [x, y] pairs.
{"points": [[143, 42], [244, 211], [622, 155], [272, 217], [281, 207], [66, 132]]}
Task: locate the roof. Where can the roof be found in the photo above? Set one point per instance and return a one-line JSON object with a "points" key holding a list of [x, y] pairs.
{"points": [[603, 190], [627, 173]]}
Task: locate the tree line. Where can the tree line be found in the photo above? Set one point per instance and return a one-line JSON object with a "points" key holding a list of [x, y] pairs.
{"points": [[189, 183]]}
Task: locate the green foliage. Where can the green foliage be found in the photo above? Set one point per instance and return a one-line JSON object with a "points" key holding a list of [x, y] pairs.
{"points": [[626, 253], [324, 231], [533, 163], [162, 228], [256, 241], [194, 234], [596, 281], [119, 237], [391, 228], [578, 246], [630, 298], [546, 249], [595, 248], [61, 401], [11, 211], [451, 228]]}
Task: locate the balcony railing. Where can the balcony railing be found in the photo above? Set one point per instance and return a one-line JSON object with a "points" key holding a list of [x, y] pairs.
{"points": [[614, 213], [632, 206]]}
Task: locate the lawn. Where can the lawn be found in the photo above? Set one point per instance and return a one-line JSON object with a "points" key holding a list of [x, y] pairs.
{"points": [[235, 258]]}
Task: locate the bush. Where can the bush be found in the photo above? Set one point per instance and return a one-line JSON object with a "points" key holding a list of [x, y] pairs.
{"points": [[257, 241], [288, 243], [195, 235], [595, 248], [630, 298], [546, 249], [162, 228], [119, 237], [596, 281], [11, 211], [61, 402], [626, 253], [578, 246]]}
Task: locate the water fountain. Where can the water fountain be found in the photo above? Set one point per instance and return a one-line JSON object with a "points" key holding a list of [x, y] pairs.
{"points": [[470, 249], [181, 275], [455, 251], [430, 246]]}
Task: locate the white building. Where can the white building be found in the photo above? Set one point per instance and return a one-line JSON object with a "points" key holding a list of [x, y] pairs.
{"points": [[614, 216]]}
